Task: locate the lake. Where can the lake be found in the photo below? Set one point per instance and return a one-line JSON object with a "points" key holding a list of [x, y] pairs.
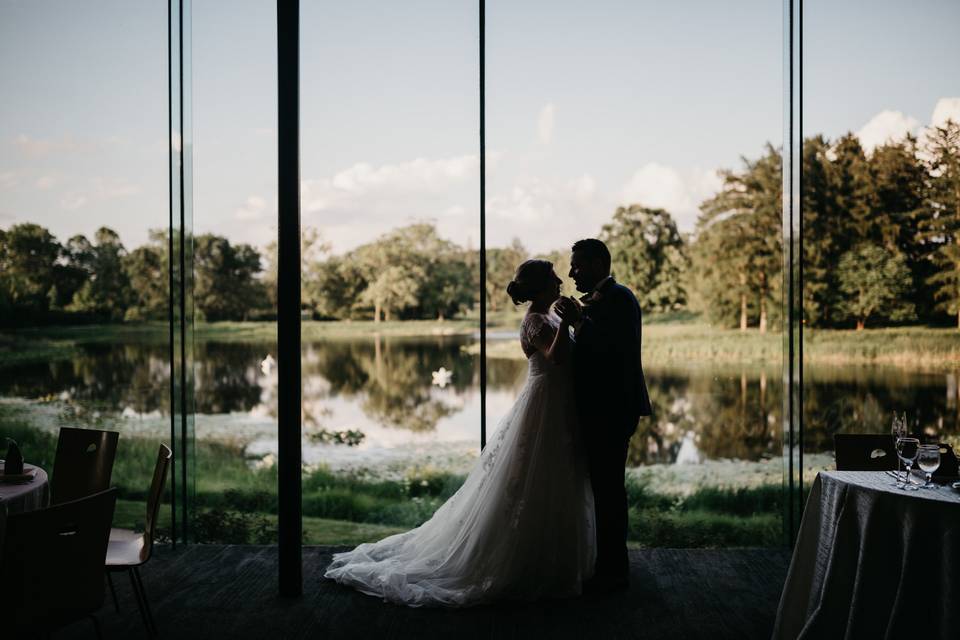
{"points": [[389, 403]]}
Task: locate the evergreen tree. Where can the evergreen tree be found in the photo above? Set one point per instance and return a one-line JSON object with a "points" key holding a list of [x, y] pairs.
{"points": [[739, 243], [899, 179], [823, 235], [851, 191], [943, 223]]}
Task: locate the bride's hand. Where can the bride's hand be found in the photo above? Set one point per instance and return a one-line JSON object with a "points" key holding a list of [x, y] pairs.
{"points": [[567, 310]]}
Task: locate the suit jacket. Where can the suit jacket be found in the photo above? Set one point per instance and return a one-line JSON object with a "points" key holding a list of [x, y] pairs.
{"points": [[608, 372]]}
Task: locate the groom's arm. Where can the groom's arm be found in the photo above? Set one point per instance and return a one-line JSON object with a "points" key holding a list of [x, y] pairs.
{"points": [[616, 341]]}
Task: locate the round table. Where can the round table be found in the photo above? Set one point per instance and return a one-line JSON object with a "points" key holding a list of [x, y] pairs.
{"points": [[873, 561], [27, 496]]}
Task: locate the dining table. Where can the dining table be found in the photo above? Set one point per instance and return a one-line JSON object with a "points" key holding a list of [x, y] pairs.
{"points": [[873, 560], [17, 497]]}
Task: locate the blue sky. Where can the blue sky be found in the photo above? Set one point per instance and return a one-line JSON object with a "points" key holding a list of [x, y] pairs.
{"points": [[589, 105]]}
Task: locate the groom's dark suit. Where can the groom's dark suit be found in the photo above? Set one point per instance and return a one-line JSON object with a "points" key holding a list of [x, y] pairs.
{"points": [[611, 397]]}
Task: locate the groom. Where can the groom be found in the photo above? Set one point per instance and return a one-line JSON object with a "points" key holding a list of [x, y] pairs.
{"points": [[611, 396]]}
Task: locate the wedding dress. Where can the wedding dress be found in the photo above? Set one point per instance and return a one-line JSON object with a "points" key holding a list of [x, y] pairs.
{"points": [[520, 527]]}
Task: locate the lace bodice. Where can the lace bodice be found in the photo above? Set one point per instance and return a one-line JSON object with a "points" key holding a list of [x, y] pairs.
{"points": [[534, 323]]}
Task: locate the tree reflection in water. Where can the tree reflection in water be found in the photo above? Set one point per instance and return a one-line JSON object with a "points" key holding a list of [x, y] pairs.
{"points": [[392, 379], [723, 413], [720, 412]]}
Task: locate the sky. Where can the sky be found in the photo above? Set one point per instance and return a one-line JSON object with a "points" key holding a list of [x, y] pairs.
{"points": [[589, 106]]}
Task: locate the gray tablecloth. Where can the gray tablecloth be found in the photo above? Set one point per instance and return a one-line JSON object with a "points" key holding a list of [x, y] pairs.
{"points": [[873, 561], [17, 498]]}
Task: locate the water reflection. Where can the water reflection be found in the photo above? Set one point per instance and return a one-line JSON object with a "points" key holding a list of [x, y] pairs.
{"points": [[383, 387]]}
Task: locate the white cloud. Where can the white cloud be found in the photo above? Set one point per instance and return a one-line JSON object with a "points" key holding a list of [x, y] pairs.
{"points": [[254, 208], [546, 214], [363, 201], [679, 192], [946, 108], [886, 126], [363, 179], [546, 122], [73, 201]]}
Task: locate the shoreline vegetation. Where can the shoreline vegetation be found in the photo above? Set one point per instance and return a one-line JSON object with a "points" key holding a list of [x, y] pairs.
{"points": [[236, 504], [667, 340]]}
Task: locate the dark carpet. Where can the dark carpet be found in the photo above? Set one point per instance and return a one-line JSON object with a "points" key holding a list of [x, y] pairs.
{"points": [[231, 592]]}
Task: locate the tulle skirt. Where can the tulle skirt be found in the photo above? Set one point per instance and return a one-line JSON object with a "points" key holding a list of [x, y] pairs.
{"points": [[520, 527]]}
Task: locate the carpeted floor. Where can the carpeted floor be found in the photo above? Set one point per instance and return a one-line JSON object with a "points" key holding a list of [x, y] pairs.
{"points": [[231, 592]]}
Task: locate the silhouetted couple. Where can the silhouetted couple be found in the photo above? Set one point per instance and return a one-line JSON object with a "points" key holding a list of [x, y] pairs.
{"points": [[543, 512]]}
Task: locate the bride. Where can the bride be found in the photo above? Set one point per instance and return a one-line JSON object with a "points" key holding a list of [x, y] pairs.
{"points": [[522, 524]]}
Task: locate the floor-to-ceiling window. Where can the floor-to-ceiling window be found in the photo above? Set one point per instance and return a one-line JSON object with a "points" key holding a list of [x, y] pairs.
{"points": [[390, 235], [880, 211], [84, 338], [656, 128], [233, 112]]}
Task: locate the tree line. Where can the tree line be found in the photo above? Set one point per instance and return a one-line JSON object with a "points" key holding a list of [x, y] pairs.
{"points": [[881, 245], [410, 272]]}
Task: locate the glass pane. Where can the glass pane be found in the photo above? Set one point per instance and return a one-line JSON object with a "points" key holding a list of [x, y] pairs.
{"points": [[234, 111], [83, 233], [390, 218], [881, 130], [622, 121]]}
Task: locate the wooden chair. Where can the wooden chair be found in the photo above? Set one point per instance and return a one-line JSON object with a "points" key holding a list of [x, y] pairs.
{"points": [[51, 565], [129, 550], [864, 452], [83, 463]]}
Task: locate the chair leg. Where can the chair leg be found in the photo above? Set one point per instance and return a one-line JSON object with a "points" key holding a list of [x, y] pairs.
{"points": [[140, 606], [146, 602], [96, 626], [113, 592]]}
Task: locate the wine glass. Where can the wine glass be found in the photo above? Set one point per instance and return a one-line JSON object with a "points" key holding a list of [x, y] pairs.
{"points": [[928, 459], [907, 450], [898, 429]]}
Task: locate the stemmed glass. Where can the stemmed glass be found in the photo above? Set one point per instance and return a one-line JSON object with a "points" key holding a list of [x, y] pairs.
{"points": [[928, 459], [907, 450], [898, 429]]}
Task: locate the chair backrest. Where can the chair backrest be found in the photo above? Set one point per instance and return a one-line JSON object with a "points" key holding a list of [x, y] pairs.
{"points": [[949, 467], [51, 564], [153, 500], [864, 452], [83, 464]]}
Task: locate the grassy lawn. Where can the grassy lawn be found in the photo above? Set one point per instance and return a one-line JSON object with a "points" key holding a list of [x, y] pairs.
{"points": [[685, 340], [235, 504]]}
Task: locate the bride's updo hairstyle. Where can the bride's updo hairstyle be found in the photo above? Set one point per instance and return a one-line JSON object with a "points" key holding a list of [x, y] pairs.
{"points": [[532, 277]]}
